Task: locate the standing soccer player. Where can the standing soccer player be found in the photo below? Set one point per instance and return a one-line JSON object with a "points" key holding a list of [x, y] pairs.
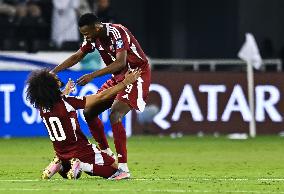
{"points": [[121, 52]]}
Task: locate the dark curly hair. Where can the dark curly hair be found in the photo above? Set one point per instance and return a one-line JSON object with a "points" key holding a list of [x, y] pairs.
{"points": [[43, 89]]}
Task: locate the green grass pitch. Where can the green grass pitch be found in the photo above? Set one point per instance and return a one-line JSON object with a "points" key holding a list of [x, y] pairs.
{"points": [[158, 165]]}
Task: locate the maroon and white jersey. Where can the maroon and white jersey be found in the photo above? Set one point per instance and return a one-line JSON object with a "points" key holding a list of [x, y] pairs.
{"points": [[64, 129], [119, 38]]}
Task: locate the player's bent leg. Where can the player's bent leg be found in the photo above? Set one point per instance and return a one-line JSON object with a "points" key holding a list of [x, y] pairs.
{"points": [[103, 171], [118, 110], [95, 124], [103, 165], [54, 167], [98, 170], [107, 168]]}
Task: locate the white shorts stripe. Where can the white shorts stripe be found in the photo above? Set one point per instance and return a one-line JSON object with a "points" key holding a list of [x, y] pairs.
{"points": [[140, 101], [99, 160]]}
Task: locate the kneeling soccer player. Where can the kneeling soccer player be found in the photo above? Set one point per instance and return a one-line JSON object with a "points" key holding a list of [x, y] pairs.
{"points": [[74, 153]]}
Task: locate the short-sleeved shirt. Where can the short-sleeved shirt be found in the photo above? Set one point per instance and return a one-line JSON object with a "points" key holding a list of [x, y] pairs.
{"points": [[63, 127], [119, 38]]}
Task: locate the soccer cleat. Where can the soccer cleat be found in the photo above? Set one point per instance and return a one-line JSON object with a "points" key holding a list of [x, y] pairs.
{"points": [[119, 175], [75, 171], [109, 152], [54, 167]]}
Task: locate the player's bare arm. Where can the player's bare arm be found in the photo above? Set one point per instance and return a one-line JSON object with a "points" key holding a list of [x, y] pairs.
{"points": [[69, 62], [130, 77], [116, 66]]}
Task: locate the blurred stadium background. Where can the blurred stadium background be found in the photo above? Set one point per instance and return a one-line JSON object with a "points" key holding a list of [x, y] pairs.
{"points": [[199, 87]]}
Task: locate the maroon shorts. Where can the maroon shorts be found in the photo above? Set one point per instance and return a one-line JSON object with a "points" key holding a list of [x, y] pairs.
{"points": [[134, 94]]}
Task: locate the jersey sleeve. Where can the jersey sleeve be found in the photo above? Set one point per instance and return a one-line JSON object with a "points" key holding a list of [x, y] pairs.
{"points": [[87, 47], [77, 102], [121, 39]]}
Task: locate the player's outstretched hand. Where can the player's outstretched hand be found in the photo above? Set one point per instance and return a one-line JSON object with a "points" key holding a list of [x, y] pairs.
{"points": [[83, 80], [70, 86], [131, 77]]}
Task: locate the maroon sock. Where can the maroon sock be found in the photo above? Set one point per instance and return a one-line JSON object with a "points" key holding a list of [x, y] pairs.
{"points": [[103, 171], [96, 128], [119, 136]]}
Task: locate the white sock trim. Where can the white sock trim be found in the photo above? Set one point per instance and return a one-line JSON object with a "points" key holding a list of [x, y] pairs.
{"points": [[86, 167], [123, 166]]}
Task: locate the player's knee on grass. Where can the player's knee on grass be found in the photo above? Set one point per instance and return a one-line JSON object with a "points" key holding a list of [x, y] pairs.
{"points": [[104, 171]]}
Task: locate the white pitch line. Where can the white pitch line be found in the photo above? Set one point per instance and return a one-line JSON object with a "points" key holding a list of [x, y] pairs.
{"points": [[140, 190], [159, 179], [19, 180], [271, 179], [208, 179], [190, 179]]}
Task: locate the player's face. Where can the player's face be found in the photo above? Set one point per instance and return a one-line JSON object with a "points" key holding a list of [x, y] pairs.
{"points": [[89, 32]]}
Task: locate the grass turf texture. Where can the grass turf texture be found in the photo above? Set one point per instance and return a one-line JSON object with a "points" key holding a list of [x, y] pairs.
{"points": [[158, 165]]}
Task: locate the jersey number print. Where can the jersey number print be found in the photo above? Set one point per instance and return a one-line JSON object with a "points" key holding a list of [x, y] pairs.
{"points": [[56, 133]]}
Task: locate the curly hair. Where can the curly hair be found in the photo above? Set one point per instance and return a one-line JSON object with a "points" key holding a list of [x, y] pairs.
{"points": [[43, 90]]}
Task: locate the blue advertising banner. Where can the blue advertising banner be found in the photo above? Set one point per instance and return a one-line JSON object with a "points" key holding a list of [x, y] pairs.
{"points": [[19, 119]]}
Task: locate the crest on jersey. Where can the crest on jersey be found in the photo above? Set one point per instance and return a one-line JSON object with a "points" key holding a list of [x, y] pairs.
{"points": [[119, 44]]}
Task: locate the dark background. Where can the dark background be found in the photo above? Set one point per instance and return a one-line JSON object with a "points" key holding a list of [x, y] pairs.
{"points": [[203, 28]]}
